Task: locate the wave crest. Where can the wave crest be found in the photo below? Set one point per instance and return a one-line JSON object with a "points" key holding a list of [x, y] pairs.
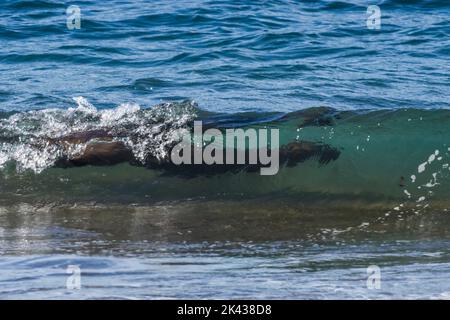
{"points": [[24, 137]]}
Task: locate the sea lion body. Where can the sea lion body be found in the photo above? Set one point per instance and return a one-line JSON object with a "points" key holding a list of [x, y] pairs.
{"points": [[102, 149], [103, 153]]}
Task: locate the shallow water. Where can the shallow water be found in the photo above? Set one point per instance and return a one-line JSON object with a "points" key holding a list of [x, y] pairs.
{"points": [[247, 271], [309, 232], [222, 250]]}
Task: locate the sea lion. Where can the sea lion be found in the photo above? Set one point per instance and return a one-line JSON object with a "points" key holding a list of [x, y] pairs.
{"points": [[102, 149], [317, 117], [300, 151], [103, 153]]}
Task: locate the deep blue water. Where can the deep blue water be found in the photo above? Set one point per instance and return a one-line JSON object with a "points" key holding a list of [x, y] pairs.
{"points": [[226, 55]]}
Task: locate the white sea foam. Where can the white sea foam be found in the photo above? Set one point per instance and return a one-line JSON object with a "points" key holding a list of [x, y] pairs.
{"points": [[24, 137]]}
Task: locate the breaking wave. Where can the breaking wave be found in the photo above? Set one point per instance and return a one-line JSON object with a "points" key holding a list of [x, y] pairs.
{"points": [[398, 159], [25, 137]]}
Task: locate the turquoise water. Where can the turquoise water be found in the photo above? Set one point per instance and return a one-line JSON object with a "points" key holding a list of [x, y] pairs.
{"points": [[141, 70]]}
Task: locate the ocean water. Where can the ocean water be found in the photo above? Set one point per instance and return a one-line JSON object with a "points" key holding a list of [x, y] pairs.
{"points": [[372, 104]]}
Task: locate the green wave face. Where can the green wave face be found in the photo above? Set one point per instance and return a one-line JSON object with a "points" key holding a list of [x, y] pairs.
{"points": [[400, 154], [396, 158]]}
